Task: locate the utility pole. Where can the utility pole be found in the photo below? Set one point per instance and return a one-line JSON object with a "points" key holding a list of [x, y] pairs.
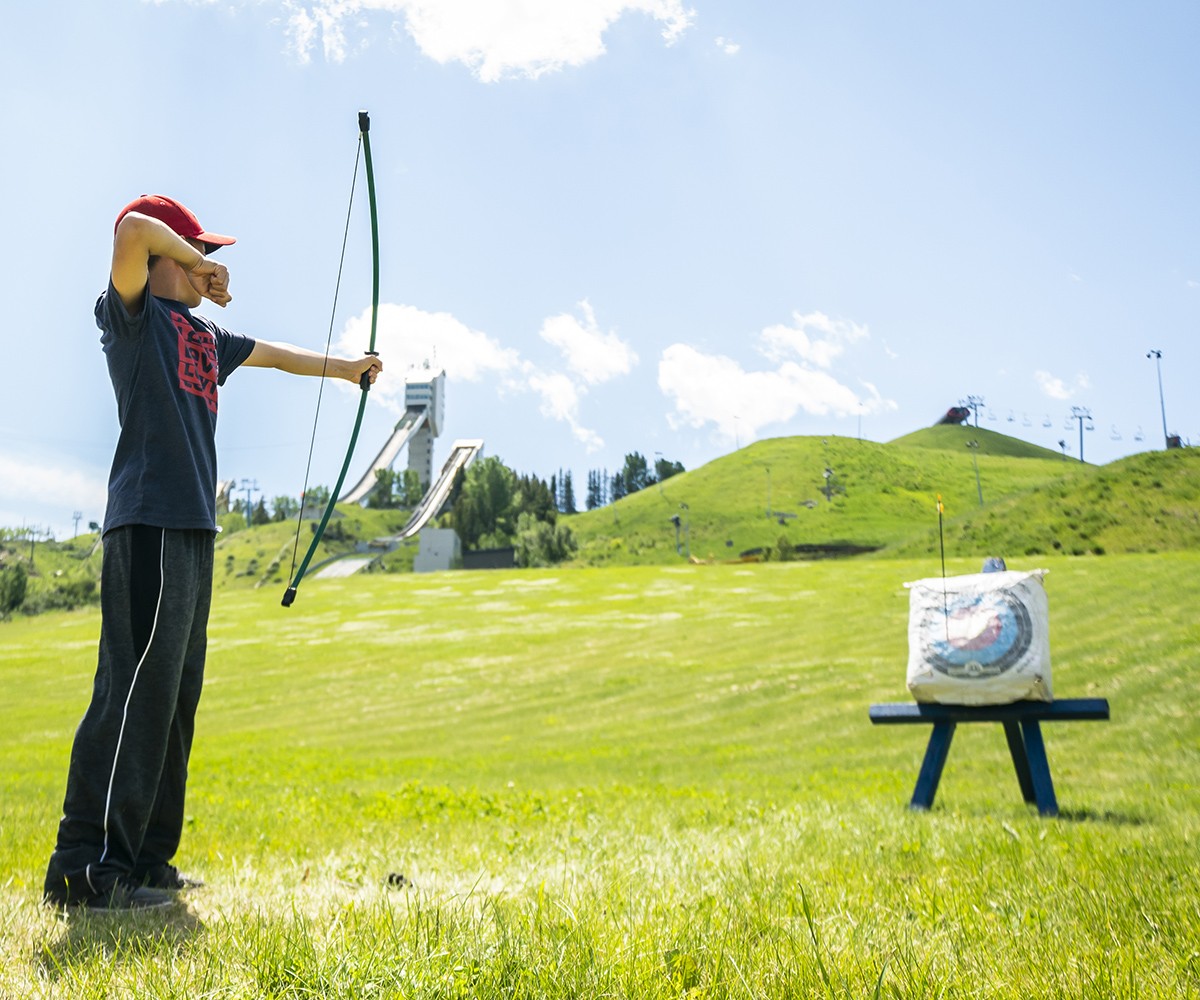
{"points": [[973, 404], [1157, 356], [974, 446], [1081, 413]]}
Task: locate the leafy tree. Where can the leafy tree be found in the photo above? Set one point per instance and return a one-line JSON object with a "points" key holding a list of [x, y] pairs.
{"points": [[14, 582], [411, 491], [539, 543], [316, 496], [636, 473], [485, 507], [383, 497], [284, 508]]}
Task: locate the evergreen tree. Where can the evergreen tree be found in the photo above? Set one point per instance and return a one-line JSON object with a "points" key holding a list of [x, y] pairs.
{"points": [[568, 491], [665, 469]]}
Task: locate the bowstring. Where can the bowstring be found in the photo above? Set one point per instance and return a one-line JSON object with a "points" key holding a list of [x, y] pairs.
{"points": [[325, 363]]}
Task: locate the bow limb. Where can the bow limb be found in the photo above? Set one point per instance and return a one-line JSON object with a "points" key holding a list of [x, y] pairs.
{"points": [[364, 131]]}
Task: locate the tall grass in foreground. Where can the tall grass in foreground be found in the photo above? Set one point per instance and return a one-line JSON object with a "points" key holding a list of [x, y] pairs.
{"points": [[631, 783]]}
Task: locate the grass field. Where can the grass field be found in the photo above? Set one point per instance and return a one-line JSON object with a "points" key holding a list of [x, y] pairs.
{"points": [[641, 782]]}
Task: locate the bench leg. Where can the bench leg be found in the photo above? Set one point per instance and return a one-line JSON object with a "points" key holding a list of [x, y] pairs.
{"points": [[931, 767], [1020, 759], [1039, 768]]}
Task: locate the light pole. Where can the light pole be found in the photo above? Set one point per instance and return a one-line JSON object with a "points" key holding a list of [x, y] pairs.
{"points": [[974, 446], [1081, 413], [1157, 356]]}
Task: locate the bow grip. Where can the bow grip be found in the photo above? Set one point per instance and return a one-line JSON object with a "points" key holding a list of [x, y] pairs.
{"points": [[364, 380]]}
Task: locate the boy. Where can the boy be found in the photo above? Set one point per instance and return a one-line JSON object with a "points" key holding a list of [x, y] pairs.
{"points": [[123, 810]]}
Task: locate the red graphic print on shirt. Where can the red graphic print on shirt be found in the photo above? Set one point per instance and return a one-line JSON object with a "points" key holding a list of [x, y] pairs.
{"points": [[197, 361]]}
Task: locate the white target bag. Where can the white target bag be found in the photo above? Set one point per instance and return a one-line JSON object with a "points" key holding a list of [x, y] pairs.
{"points": [[982, 639]]}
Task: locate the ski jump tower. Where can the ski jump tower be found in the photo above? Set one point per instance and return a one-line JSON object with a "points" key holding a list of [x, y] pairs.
{"points": [[424, 391]]}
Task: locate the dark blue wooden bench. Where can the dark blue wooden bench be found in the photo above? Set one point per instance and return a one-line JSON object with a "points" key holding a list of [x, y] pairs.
{"points": [[1022, 726]]}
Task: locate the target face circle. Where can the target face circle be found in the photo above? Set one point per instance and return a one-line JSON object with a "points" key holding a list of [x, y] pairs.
{"points": [[977, 637]]}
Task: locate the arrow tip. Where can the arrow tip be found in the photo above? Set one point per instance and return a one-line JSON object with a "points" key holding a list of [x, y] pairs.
{"points": [[289, 595], [364, 122]]}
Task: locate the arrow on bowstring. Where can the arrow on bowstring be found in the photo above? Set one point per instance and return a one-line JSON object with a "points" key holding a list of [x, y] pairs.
{"points": [[364, 382]]}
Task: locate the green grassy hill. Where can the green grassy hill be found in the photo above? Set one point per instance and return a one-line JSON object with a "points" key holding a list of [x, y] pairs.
{"points": [[883, 495], [58, 575], [1143, 503]]}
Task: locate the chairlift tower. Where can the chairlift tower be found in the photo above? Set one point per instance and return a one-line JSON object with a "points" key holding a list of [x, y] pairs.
{"points": [[1082, 413]]}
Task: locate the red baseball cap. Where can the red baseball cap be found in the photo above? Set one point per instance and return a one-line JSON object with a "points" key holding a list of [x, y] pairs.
{"points": [[178, 217]]}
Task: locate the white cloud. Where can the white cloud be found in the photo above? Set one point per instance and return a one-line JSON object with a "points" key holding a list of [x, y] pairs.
{"points": [[591, 354], [715, 389], [1055, 388], [496, 39], [26, 484], [560, 401], [728, 46], [813, 337], [407, 337], [708, 388]]}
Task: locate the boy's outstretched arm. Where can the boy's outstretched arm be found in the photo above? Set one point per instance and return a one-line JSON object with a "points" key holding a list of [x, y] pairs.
{"points": [[299, 361]]}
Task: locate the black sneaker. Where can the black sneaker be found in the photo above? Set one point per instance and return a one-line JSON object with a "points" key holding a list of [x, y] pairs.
{"points": [[167, 878], [124, 895]]}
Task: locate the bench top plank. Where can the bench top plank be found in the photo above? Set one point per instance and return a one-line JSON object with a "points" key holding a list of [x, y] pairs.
{"points": [[1064, 709]]}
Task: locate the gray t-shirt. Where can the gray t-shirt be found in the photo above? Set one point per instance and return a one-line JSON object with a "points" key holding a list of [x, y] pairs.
{"points": [[165, 365]]}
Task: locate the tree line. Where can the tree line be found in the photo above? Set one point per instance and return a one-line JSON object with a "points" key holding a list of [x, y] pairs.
{"points": [[634, 475]]}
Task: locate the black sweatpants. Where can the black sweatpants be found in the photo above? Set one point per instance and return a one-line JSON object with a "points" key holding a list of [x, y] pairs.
{"points": [[124, 805]]}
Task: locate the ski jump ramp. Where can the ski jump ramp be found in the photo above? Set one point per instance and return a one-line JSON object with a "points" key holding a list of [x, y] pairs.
{"points": [[462, 455], [412, 421]]}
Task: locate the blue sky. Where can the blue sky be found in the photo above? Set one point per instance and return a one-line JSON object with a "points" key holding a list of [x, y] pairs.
{"points": [[619, 225]]}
